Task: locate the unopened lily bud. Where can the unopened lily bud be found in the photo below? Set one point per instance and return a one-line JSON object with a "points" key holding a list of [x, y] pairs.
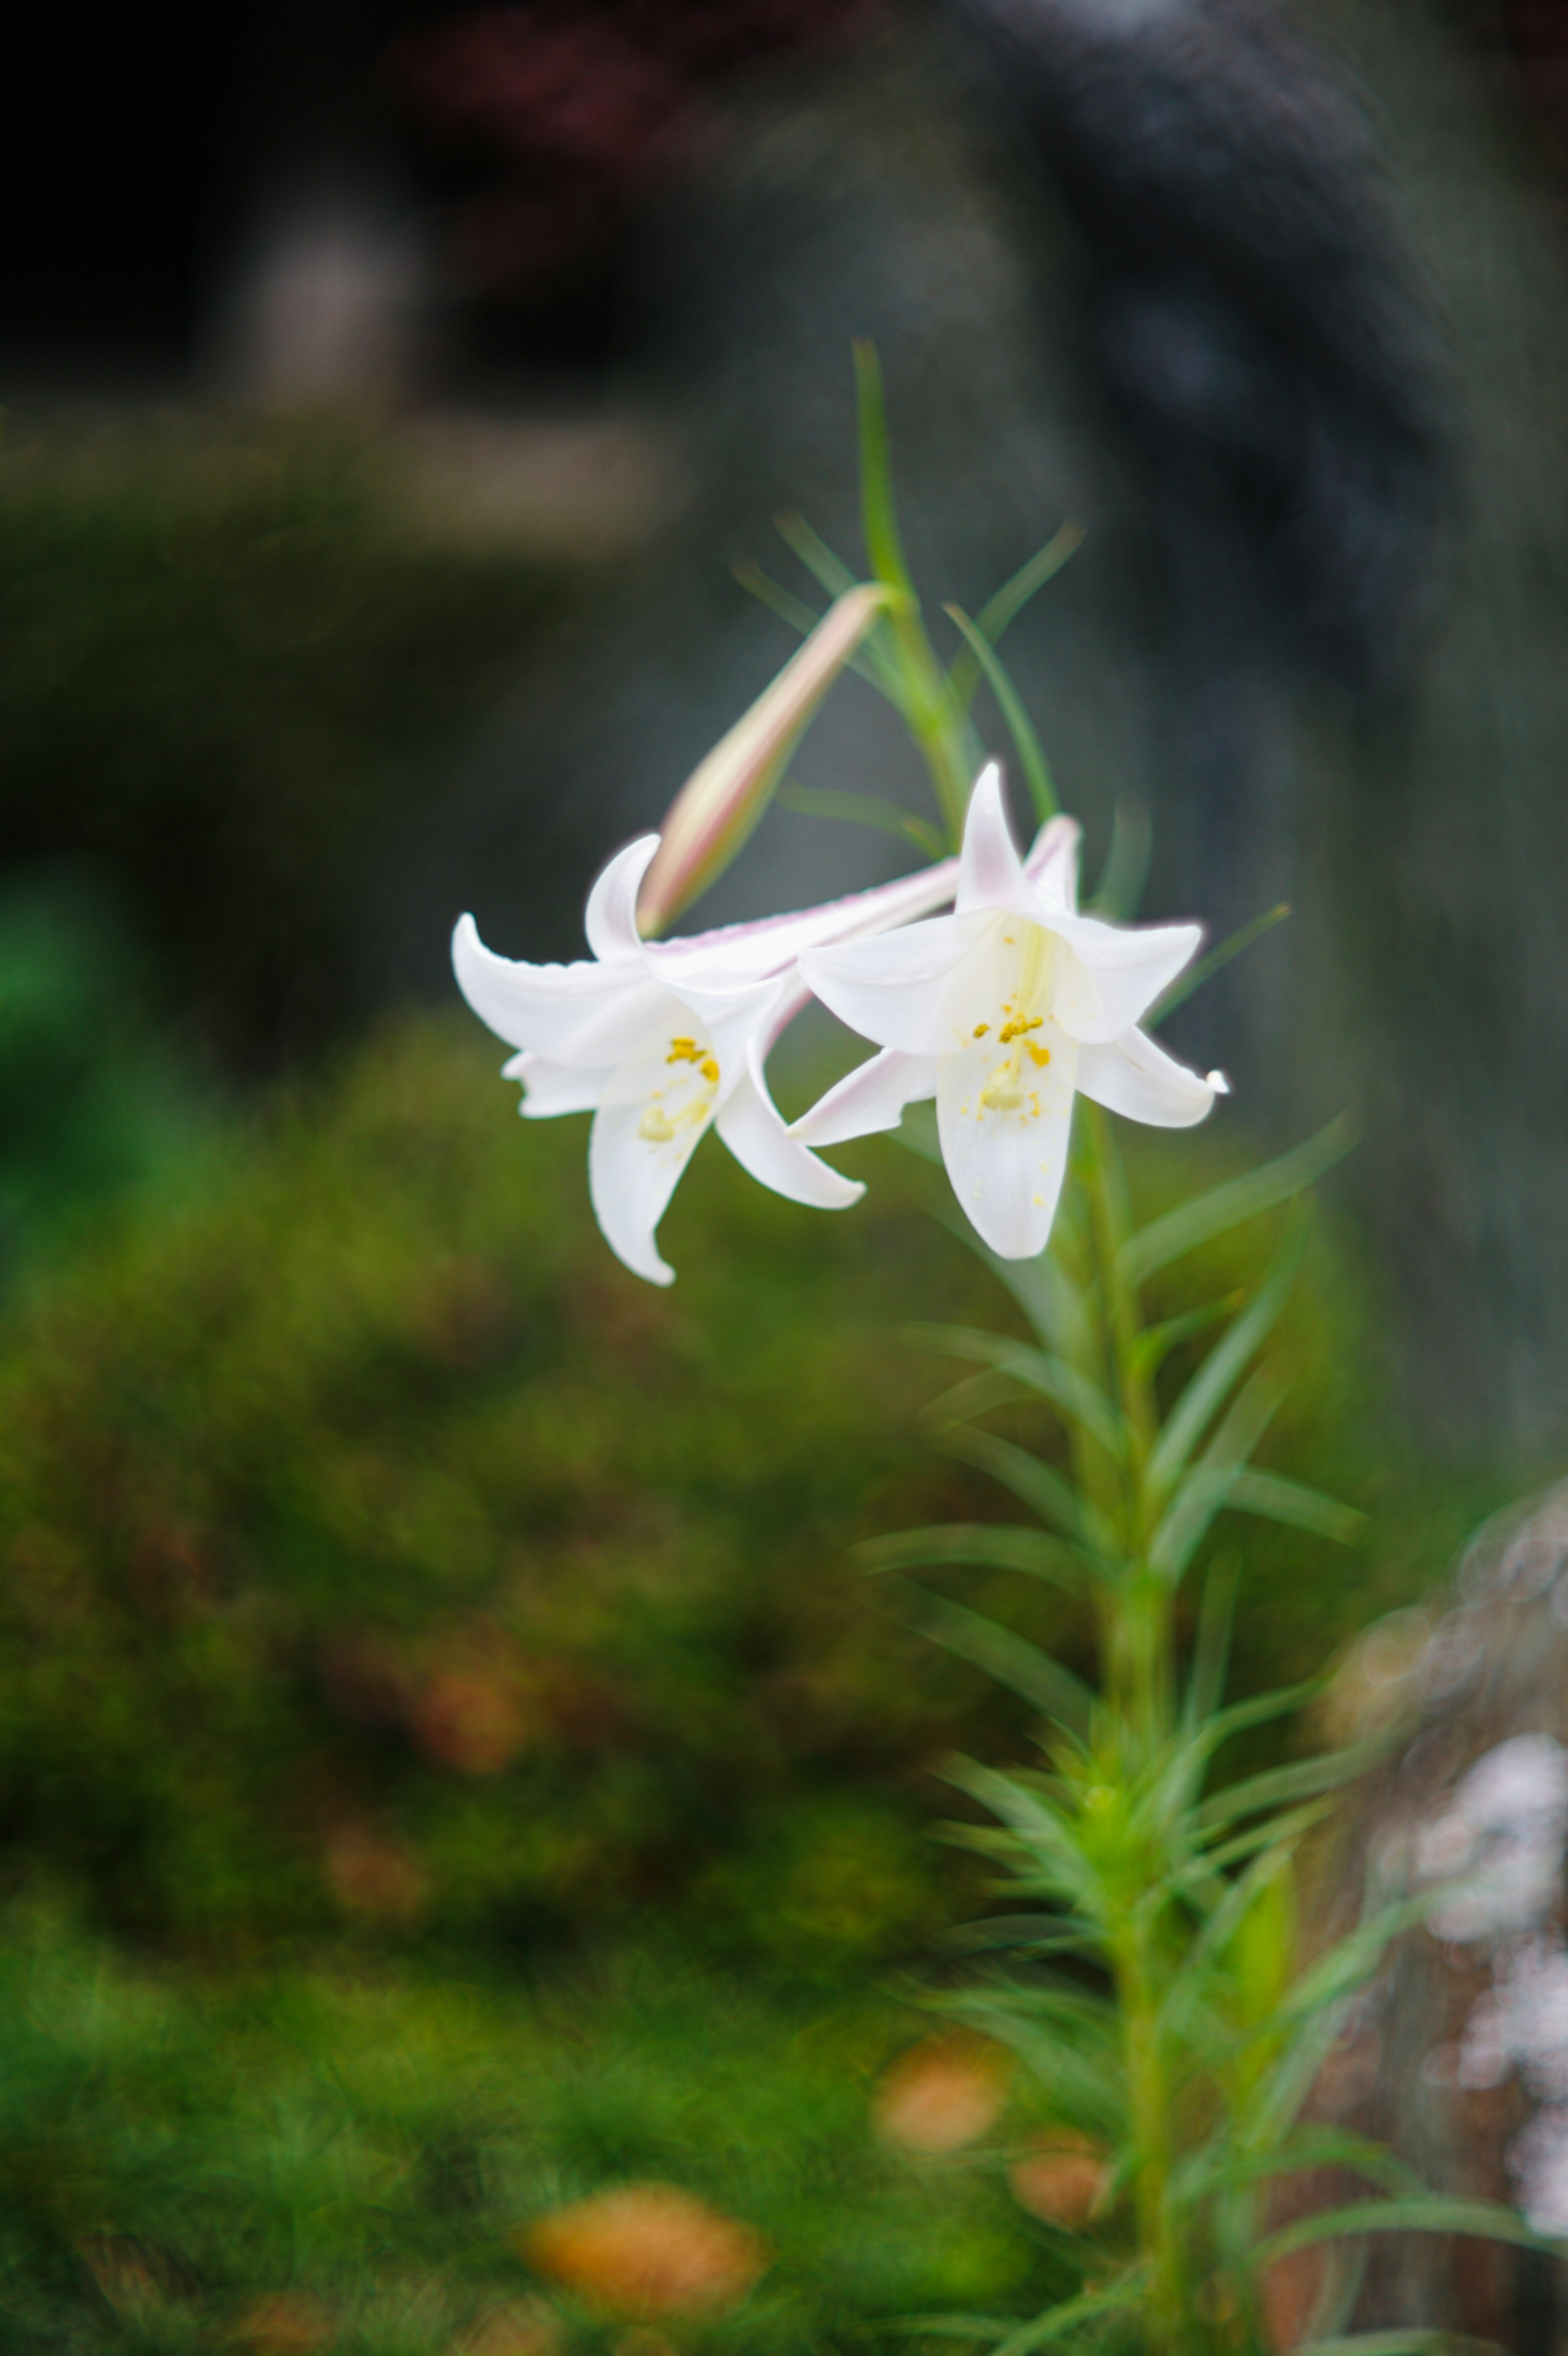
{"points": [[728, 791]]}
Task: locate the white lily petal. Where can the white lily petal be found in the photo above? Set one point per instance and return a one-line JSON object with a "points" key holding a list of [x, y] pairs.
{"points": [[630, 1022], [536, 1006], [772, 944], [990, 873], [753, 1127], [610, 920], [870, 1098], [1005, 1132], [891, 989], [728, 1017], [1113, 973], [649, 1120], [1051, 862], [554, 1088], [1135, 1077]]}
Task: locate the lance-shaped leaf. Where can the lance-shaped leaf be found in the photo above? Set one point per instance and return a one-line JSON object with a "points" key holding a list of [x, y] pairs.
{"points": [[1239, 1199], [1020, 727], [727, 793], [1002, 609], [1041, 1371], [1012, 1660], [1062, 2323], [1225, 1365], [1043, 1490], [1489, 2220], [998, 1546], [1207, 1486], [1413, 2342]]}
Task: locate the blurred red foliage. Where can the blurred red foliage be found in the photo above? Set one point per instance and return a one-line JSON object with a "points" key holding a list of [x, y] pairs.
{"points": [[583, 103]]}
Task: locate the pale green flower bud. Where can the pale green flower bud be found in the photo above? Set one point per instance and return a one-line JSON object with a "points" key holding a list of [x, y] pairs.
{"points": [[728, 791]]}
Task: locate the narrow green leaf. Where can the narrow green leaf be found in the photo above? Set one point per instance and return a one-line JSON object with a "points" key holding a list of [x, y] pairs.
{"points": [[1203, 1493], [1045, 1934], [1280, 1787], [1020, 728], [814, 553], [1125, 871], [1239, 1199], [776, 598], [1257, 1711], [1413, 2342], [872, 660], [1048, 1296], [1226, 1363], [1211, 1641], [1182, 988], [996, 1546], [879, 517], [1489, 2221], [1010, 1659], [1279, 1500], [864, 809], [1000, 611], [1267, 1833], [1154, 1344], [1045, 1833], [1042, 1371], [1061, 2322], [1188, 1989], [975, 1395], [1307, 2147], [1044, 1491]]}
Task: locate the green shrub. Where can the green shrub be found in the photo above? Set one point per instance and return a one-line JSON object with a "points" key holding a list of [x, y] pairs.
{"points": [[380, 1551], [378, 1547]]}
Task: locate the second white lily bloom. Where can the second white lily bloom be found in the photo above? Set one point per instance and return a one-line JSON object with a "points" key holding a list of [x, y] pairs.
{"points": [[1002, 1011], [661, 1039]]}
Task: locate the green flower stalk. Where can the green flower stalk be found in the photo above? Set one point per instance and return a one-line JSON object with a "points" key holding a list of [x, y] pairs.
{"points": [[1147, 1971]]}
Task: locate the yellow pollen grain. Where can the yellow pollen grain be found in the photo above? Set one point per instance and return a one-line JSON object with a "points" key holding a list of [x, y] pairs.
{"points": [[685, 1050], [710, 1071], [981, 1029], [1040, 1055], [1017, 1027]]}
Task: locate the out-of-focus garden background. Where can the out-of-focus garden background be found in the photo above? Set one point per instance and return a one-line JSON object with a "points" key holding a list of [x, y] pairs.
{"points": [[451, 1762]]}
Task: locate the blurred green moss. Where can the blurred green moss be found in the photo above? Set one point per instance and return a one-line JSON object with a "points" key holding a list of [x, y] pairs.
{"points": [[378, 1549], [344, 2160]]}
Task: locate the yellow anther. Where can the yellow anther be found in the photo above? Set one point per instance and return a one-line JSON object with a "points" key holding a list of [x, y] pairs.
{"points": [[981, 1029], [710, 1071], [685, 1050], [1018, 1026]]}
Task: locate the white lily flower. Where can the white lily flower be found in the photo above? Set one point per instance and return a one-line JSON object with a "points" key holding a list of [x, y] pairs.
{"points": [[1002, 1011], [661, 1039]]}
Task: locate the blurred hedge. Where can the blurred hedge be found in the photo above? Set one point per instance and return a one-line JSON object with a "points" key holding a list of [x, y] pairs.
{"points": [[379, 1551], [230, 662], [378, 1547]]}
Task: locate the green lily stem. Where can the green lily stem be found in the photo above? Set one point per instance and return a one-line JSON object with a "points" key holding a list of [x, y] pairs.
{"points": [[1139, 1646], [1168, 2310]]}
